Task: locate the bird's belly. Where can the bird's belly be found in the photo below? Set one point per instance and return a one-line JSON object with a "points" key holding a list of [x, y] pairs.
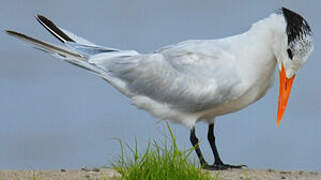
{"points": [[253, 93]]}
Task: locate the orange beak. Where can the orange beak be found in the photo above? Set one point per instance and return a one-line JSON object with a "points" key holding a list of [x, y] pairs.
{"points": [[284, 94]]}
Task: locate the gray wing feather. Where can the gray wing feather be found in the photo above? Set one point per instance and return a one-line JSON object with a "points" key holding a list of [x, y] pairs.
{"points": [[72, 41], [89, 50], [185, 78]]}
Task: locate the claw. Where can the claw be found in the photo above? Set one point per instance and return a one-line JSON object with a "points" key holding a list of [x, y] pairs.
{"points": [[222, 167]]}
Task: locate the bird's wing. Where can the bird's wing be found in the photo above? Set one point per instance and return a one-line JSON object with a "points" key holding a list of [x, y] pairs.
{"points": [[72, 41], [76, 50], [190, 76]]}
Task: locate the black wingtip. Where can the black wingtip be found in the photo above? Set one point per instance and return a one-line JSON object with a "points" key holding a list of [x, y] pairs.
{"points": [[19, 35], [53, 29], [42, 19], [15, 34], [6, 31], [284, 8], [40, 16], [10, 32]]}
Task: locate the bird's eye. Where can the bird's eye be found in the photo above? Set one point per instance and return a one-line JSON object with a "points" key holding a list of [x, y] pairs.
{"points": [[290, 54]]}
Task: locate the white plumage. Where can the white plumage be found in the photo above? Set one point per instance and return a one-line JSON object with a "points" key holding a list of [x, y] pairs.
{"points": [[195, 80]]}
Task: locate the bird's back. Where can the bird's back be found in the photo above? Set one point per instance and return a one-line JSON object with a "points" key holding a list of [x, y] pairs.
{"points": [[190, 77]]}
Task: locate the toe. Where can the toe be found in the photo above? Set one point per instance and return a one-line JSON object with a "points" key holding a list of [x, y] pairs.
{"points": [[222, 166], [215, 167], [234, 166]]}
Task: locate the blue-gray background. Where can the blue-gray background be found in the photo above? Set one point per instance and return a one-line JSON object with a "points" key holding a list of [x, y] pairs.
{"points": [[55, 115]]}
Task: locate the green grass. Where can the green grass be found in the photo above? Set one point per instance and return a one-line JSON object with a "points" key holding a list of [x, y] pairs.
{"points": [[158, 162]]}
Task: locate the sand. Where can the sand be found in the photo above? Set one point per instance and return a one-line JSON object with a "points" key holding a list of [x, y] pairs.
{"points": [[110, 174]]}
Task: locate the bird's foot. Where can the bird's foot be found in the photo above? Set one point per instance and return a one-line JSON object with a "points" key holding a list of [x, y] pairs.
{"points": [[222, 166]]}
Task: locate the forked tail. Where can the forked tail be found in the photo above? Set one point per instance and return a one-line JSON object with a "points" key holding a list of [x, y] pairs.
{"points": [[76, 50]]}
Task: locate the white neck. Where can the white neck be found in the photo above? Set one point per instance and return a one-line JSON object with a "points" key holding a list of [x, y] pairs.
{"points": [[273, 25], [256, 46], [255, 55]]}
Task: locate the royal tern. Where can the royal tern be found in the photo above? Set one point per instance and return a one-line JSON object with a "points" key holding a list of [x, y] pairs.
{"points": [[196, 80]]}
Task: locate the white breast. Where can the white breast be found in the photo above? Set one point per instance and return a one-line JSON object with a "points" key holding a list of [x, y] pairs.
{"points": [[255, 64]]}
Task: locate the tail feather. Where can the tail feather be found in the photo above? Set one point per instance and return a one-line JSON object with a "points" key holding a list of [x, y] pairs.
{"points": [[50, 48], [76, 50], [71, 40], [53, 29], [60, 52]]}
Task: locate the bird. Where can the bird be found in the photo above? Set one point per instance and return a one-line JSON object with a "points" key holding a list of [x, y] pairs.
{"points": [[196, 80]]}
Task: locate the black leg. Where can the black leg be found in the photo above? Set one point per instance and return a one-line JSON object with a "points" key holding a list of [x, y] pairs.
{"points": [[218, 163], [194, 142], [211, 139]]}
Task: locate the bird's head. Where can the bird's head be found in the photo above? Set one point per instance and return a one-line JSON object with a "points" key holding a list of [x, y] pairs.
{"points": [[292, 48]]}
